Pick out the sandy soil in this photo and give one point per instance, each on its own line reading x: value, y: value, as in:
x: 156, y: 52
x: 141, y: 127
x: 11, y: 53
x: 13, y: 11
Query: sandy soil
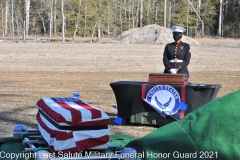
x: 30, y: 71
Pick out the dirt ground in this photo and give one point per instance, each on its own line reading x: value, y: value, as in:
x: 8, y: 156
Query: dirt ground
x: 30, y: 71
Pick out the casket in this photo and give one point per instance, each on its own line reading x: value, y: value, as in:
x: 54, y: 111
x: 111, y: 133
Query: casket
x: 72, y: 125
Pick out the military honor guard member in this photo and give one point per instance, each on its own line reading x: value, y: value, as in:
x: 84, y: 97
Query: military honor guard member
x: 177, y: 55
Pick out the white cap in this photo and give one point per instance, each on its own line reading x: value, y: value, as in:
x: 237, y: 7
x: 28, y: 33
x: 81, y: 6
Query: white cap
x: 177, y: 29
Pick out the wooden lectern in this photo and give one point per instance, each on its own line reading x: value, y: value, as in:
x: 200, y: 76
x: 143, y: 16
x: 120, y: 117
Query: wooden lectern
x: 167, y: 78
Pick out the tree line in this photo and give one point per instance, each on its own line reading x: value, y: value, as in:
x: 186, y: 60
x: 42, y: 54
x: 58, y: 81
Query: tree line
x: 109, y: 18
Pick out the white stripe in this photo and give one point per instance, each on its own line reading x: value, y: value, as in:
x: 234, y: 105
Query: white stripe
x: 51, y: 126
x: 86, y: 114
x: 66, y: 144
x: 58, y: 109
x: 71, y: 142
x: 60, y: 123
x: 81, y: 135
x: 104, y: 115
x: 65, y: 124
x: 58, y: 145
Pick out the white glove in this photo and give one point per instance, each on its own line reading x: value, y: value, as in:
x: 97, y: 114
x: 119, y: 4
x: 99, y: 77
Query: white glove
x: 173, y: 71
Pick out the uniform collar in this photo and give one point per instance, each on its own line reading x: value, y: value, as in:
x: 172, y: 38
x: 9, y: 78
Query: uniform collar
x: 177, y: 43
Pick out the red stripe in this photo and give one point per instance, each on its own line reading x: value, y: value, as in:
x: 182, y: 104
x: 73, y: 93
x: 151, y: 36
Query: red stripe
x: 183, y: 93
x: 53, y: 133
x: 95, y: 112
x: 143, y: 91
x: 75, y: 117
x: 82, y: 145
x: 102, y: 122
x: 92, y: 142
x: 51, y: 113
x: 61, y: 136
x: 76, y: 114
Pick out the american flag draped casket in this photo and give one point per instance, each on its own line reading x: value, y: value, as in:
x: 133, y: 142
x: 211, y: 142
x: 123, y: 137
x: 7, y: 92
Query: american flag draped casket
x: 71, y: 125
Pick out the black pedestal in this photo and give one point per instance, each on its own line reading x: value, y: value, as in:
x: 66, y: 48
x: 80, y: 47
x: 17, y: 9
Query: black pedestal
x: 130, y: 105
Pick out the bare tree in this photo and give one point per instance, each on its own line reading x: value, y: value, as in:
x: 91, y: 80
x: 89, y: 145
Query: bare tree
x: 3, y: 22
x: 165, y: 14
x: 12, y: 20
x: 120, y: 15
x: 148, y: 12
x: 125, y: 9
x: 26, y: 24
x: 51, y: 20
x: 63, y: 22
x: 93, y: 31
x: 169, y: 13
x: 77, y: 17
x: 137, y: 13
x: 85, y: 19
x: 6, y: 17
x: 55, y: 17
x: 199, y: 12
x: 133, y: 18
x: 202, y: 31
x: 141, y: 13
x: 43, y: 23
x: 220, y: 20
x: 108, y: 26
x: 20, y: 27
x: 99, y: 29
x: 156, y: 10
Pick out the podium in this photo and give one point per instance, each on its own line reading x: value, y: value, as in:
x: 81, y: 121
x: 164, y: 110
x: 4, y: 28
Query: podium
x: 132, y: 108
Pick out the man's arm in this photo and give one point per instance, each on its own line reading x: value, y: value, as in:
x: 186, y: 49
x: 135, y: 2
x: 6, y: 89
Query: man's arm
x: 186, y: 59
x: 165, y: 58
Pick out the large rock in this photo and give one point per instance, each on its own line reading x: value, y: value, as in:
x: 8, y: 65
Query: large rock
x: 150, y: 34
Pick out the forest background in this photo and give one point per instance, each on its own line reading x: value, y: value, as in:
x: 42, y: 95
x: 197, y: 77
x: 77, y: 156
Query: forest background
x: 24, y: 19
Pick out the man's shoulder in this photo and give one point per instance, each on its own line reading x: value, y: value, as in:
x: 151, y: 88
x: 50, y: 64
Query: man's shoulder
x: 173, y: 43
x: 184, y: 43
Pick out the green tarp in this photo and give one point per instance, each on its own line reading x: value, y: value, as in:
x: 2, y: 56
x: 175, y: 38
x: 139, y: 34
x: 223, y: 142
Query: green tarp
x: 12, y: 149
x: 210, y: 132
